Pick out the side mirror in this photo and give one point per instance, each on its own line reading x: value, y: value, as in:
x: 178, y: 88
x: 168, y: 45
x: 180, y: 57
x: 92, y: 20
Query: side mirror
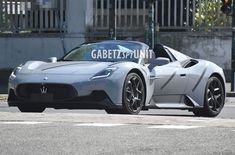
x: 52, y: 59
x: 160, y: 61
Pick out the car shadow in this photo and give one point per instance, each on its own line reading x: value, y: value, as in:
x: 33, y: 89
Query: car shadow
x: 171, y: 115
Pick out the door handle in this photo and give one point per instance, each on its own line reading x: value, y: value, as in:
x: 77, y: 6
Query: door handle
x: 182, y: 75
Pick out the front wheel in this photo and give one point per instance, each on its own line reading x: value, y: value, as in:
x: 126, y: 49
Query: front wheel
x: 213, y: 99
x: 30, y: 108
x: 133, y: 96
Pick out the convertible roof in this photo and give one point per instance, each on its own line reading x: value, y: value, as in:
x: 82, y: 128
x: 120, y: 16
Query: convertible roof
x: 178, y: 55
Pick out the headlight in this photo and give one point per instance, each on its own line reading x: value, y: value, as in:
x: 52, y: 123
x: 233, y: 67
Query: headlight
x: 104, y: 73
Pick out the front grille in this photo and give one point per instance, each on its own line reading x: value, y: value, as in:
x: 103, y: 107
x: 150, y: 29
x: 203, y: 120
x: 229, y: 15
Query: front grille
x: 59, y: 91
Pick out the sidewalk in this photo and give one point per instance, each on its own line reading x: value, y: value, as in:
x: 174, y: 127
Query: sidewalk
x: 228, y: 90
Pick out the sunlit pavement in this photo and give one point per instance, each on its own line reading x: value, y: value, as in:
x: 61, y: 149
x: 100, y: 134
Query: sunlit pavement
x: 95, y: 132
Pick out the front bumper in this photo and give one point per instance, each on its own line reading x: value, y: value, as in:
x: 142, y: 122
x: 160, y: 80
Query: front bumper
x: 96, y: 100
x: 91, y: 94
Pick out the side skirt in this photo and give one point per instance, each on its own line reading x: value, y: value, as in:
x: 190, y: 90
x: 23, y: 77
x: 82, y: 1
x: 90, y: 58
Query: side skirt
x: 187, y: 104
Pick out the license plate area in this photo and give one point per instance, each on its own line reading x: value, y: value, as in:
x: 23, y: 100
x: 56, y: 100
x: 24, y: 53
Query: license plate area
x: 41, y: 97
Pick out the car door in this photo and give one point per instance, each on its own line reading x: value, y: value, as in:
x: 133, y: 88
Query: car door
x: 169, y: 82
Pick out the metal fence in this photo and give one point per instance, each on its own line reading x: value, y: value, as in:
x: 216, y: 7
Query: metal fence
x: 190, y: 15
x: 19, y: 16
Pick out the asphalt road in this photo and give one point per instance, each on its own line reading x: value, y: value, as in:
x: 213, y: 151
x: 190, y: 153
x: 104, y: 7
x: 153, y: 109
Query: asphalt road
x: 95, y: 132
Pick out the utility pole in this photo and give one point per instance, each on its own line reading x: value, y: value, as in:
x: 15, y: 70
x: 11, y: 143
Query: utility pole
x: 112, y: 20
x: 151, y: 22
x: 233, y: 47
x: 229, y: 9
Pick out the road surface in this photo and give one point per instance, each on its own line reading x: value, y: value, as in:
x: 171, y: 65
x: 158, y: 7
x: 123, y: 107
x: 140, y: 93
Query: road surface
x: 95, y: 132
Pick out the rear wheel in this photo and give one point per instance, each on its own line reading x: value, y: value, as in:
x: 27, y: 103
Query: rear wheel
x: 213, y: 100
x: 30, y: 108
x: 133, y: 96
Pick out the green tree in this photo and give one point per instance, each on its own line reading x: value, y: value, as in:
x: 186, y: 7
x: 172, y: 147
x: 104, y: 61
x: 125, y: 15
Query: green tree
x: 209, y: 15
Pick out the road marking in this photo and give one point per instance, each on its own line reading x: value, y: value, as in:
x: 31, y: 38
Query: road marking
x: 173, y: 127
x: 23, y: 122
x: 198, y: 120
x: 99, y: 124
x: 229, y: 106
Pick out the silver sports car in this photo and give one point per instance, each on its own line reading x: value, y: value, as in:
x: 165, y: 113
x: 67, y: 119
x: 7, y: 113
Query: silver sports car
x: 120, y: 77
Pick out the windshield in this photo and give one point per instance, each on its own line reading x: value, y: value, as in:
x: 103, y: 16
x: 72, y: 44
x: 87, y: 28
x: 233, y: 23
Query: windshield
x: 105, y: 52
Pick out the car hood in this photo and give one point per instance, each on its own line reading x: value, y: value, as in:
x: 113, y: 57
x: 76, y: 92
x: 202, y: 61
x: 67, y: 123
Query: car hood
x: 86, y: 67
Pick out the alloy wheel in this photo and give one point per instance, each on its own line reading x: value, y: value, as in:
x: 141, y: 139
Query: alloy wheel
x: 215, y: 95
x: 134, y: 93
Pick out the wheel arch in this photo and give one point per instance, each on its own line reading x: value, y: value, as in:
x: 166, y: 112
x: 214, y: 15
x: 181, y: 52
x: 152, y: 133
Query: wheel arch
x: 206, y: 110
x: 137, y: 71
x: 221, y: 80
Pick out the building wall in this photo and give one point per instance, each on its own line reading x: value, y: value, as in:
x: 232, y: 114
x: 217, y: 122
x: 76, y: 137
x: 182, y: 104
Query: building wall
x: 15, y: 51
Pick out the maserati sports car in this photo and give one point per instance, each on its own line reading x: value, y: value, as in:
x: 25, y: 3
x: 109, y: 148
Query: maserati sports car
x: 110, y: 75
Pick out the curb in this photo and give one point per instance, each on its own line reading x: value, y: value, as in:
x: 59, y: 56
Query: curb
x: 230, y: 94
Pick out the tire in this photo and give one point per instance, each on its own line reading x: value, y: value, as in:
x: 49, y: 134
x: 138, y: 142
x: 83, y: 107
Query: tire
x: 133, y: 96
x: 33, y: 109
x: 213, y: 99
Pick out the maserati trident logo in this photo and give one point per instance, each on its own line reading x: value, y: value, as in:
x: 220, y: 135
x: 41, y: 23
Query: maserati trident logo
x: 43, y: 90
